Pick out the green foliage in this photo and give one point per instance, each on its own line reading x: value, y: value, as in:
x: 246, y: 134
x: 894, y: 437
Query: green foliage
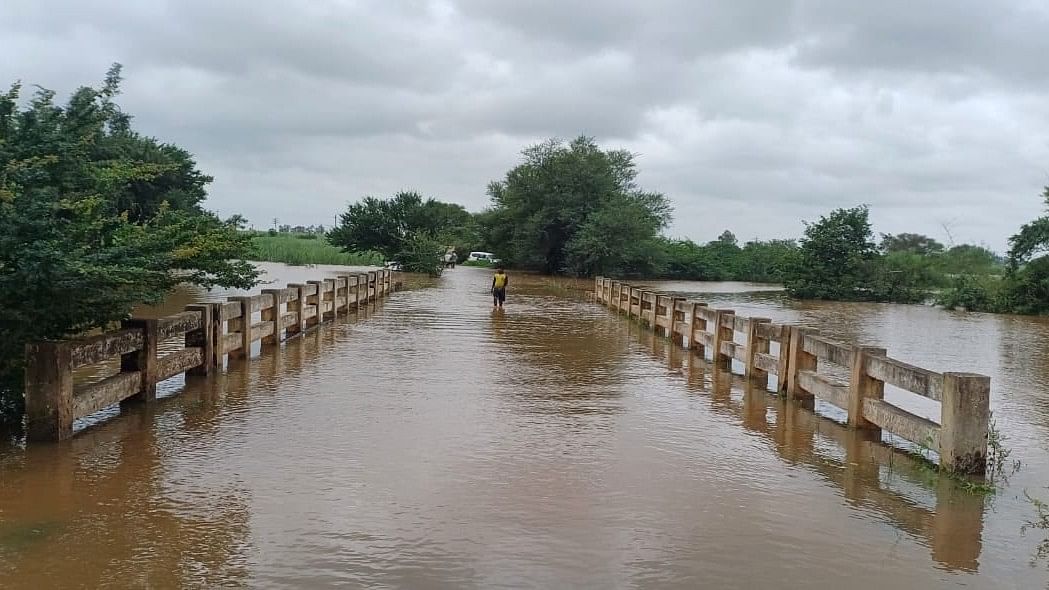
x: 399, y: 227
x: 723, y: 260
x: 1033, y: 238
x: 1024, y: 287
x: 1040, y: 522
x: 912, y: 243
x: 766, y: 262
x: 380, y: 225
x: 95, y: 218
x: 833, y: 257
x: 574, y: 208
x: 422, y: 253
x: 969, y: 259
x: 618, y: 239
x: 972, y: 293
x: 302, y: 249
x: 903, y: 276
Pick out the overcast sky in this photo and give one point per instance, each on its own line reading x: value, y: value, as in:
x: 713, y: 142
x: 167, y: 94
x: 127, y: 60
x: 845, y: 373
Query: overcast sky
x: 751, y: 115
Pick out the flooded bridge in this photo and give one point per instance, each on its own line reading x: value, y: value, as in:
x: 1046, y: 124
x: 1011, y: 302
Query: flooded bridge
x: 429, y: 441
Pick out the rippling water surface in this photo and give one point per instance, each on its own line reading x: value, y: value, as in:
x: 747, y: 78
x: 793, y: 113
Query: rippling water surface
x: 436, y: 443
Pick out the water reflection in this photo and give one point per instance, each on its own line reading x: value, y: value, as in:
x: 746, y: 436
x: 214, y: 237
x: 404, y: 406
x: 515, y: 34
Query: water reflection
x: 861, y: 465
x: 441, y: 444
x: 103, y: 499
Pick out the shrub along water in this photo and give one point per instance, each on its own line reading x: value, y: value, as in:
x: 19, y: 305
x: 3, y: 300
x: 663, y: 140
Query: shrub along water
x: 94, y: 219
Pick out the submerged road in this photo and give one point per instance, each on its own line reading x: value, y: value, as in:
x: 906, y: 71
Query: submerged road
x: 441, y: 444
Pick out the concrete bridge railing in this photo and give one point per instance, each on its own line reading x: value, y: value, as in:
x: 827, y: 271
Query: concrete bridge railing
x: 209, y: 332
x: 960, y: 437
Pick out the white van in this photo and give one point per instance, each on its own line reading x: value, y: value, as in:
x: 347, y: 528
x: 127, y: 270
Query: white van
x: 482, y: 257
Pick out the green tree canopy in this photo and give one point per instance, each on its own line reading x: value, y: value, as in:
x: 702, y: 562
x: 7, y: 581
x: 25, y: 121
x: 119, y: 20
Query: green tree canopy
x: 575, y: 208
x: 95, y: 218
x: 833, y: 256
x: 1032, y: 239
x: 403, y: 226
x: 906, y: 242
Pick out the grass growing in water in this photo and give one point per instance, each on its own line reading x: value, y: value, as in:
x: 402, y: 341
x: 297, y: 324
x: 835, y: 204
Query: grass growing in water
x: 303, y: 249
x: 999, y: 468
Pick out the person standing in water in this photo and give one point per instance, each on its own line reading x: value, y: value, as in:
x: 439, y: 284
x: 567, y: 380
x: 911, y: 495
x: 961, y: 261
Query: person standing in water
x: 499, y: 282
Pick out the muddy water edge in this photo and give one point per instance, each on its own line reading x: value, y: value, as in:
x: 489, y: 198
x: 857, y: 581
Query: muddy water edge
x: 436, y: 443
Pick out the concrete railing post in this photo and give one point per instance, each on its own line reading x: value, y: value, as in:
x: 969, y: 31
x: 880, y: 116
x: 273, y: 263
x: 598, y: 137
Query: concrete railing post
x: 49, y: 391
x: 242, y: 326
x: 965, y: 412
x: 756, y: 343
x: 695, y: 322
x: 723, y: 333
x: 143, y: 360
x: 330, y: 288
x: 342, y: 291
x: 784, y: 360
x: 315, y: 300
x: 362, y: 290
x: 675, y: 318
x: 273, y: 315
x: 862, y: 386
x: 218, y: 335
x: 659, y: 310
x: 202, y: 338
x: 295, y: 306
x: 798, y: 361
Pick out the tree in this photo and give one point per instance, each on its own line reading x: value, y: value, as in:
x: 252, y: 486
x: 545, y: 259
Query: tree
x: 766, y: 262
x: 566, y: 205
x: 618, y: 239
x: 833, y: 257
x: 905, y: 242
x: 95, y: 219
x: 422, y: 253
x: 399, y: 226
x: 969, y: 259
x: 1032, y: 239
x: 728, y: 238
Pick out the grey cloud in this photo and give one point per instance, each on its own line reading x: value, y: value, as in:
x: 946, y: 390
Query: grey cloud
x: 750, y: 115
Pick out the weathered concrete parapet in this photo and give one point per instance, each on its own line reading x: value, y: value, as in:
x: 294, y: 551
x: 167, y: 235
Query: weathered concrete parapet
x: 965, y: 411
x: 960, y: 437
x: 210, y: 332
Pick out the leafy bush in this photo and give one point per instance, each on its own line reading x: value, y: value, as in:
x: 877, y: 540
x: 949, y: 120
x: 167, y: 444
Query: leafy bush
x: 422, y: 253
x: 972, y: 293
x: 834, y: 257
x: 94, y: 219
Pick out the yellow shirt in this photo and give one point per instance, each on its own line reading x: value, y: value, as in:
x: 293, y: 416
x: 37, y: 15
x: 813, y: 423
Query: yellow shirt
x: 500, y: 280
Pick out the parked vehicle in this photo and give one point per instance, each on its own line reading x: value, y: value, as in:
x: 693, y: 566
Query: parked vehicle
x: 392, y: 265
x: 482, y: 257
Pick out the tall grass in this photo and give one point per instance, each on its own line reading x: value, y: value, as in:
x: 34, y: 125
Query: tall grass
x: 302, y: 249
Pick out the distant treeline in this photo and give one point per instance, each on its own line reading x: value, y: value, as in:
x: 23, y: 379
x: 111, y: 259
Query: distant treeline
x: 573, y: 208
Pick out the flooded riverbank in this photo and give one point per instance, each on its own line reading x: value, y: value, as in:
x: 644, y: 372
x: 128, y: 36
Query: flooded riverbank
x: 443, y: 444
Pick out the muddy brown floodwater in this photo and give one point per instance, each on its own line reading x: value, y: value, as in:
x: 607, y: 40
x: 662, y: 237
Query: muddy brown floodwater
x: 439, y: 444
